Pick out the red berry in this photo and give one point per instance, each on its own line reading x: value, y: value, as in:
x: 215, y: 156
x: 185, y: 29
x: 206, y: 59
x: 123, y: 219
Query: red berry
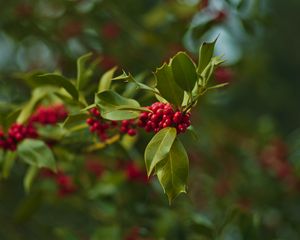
x: 141, y: 123
x: 167, y: 123
x: 143, y: 116
x: 160, y: 112
x: 131, y: 132
x: 123, y: 129
x: 90, y: 121
x: 177, y: 117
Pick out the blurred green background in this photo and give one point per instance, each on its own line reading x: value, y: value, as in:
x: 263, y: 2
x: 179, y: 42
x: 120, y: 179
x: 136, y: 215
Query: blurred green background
x: 245, y: 169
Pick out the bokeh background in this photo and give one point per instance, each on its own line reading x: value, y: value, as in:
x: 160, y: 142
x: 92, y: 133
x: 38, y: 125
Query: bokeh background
x: 245, y: 167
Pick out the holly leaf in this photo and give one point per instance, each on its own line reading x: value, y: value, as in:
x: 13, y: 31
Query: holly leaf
x: 37, y: 95
x: 173, y: 174
x: 184, y: 71
x: 31, y: 173
x: 82, y: 72
x: 56, y: 80
x: 158, y: 147
x: 167, y: 86
x: 105, y: 81
x: 116, y: 107
x: 210, y: 68
x: 8, y: 162
x: 202, y: 225
x: 74, y: 120
x: 129, y: 78
x: 36, y: 153
x: 206, y: 52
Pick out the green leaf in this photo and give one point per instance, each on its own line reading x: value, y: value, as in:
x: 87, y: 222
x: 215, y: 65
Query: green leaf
x: 105, y: 81
x: 158, y: 147
x: 12, y: 117
x: 53, y: 132
x: 229, y: 217
x: 123, y: 77
x: 111, y: 104
x: 57, y: 81
x: 9, y: 160
x: 191, y: 131
x: 217, y: 86
x: 27, y: 207
x: 142, y: 85
x: 74, y: 120
x: 206, y: 52
x: 138, y: 109
x: 208, y: 71
x: 37, y: 95
x: 184, y: 71
x: 111, y: 232
x: 36, y: 153
x: 81, y: 71
x: 174, y: 173
x: 31, y: 173
x: 129, y: 78
x: 167, y: 86
x: 202, y: 225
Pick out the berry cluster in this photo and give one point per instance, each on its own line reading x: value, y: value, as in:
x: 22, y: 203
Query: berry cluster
x: 49, y: 114
x: 128, y: 126
x: 99, y: 125
x: 103, y: 128
x: 134, y: 173
x: 110, y: 30
x: 163, y: 116
x: 274, y: 157
x: 223, y: 75
x: 16, y: 133
x: 65, y: 183
x: 94, y: 167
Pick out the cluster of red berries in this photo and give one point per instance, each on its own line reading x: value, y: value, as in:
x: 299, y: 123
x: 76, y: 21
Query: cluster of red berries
x: 49, y: 114
x: 99, y: 125
x: 94, y: 167
x: 65, y: 183
x: 223, y: 75
x: 16, y: 133
x: 163, y: 116
x: 110, y: 30
x: 128, y: 127
x: 103, y: 127
x: 134, y: 173
x: 274, y: 157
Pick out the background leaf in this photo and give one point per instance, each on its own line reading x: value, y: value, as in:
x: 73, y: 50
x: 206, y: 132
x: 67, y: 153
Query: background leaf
x: 8, y: 162
x: 82, y: 76
x: 31, y: 173
x: 74, y: 120
x: 37, y: 95
x: 36, y: 153
x: 57, y: 81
